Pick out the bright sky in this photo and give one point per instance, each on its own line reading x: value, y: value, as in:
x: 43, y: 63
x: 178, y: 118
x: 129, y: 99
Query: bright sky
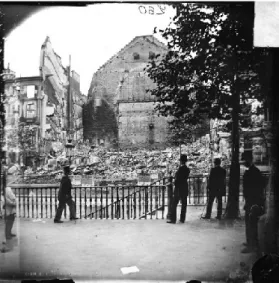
x: 91, y: 35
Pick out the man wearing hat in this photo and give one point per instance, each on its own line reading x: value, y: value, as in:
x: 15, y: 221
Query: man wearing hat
x: 216, y: 187
x: 65, y: 197
x: 180, y: 190
x: 253, y: 191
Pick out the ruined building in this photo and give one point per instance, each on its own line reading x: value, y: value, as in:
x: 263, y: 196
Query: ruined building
x: 119, y: 110
x: 40, y: 104
x: 26, y: 104
x: 63, y: 89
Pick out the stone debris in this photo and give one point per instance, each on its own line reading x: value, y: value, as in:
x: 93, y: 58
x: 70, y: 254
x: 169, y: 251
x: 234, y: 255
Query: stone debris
x: 130, y: 164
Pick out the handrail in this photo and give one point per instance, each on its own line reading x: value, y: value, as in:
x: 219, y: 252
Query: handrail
x: 151, y: 212
x: 122, y: 199
x: 105, y: 207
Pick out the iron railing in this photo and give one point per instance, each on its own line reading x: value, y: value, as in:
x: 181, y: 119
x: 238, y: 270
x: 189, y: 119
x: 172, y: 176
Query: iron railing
x: 110, y: 202
x: 125, y: 202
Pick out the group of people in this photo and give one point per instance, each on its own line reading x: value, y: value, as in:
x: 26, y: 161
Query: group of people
x: 216, y: 189
x: 253, y: 192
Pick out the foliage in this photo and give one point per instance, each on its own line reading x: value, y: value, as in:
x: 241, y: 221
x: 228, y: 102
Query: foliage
x: 179, y: 133
x: 211, y: 71
x: 22, y: 136
x: 209, y: 55
x: 250, y: 117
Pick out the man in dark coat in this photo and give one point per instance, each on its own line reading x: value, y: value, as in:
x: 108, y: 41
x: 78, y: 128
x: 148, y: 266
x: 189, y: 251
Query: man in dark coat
x: 180, y: 191
x: 65, y: 197
x: 253, y: 192
x: 216, y: 188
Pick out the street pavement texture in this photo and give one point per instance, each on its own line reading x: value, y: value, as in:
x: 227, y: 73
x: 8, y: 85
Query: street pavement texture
x: 206, y: 250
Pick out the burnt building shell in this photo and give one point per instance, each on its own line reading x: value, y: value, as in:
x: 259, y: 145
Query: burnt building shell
x: 121, y: 85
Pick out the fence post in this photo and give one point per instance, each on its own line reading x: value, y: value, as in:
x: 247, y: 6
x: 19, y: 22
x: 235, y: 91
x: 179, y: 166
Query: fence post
x: 170, y: 195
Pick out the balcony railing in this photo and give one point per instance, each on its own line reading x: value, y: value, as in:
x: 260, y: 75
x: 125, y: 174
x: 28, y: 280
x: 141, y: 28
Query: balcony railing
x: 109, y: 202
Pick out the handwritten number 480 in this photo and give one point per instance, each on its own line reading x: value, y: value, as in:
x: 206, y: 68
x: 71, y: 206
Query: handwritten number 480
x: 158, y: 10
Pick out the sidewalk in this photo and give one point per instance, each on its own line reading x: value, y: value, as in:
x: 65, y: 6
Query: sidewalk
x: 206, y: 250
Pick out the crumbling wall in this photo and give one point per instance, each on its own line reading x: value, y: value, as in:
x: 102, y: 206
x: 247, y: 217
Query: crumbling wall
x: 100, y: 123
x: 107, y: 79
x: 56, y: 83
x: 121, y: 80
x: 77, y: 102
x: 140, y: 126
x: 56, y: 86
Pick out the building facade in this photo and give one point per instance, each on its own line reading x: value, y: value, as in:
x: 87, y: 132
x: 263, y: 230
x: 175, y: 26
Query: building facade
x: 46, y: 108
x: 119, y: 89
x: 27, y: 109
x: 63, y: 88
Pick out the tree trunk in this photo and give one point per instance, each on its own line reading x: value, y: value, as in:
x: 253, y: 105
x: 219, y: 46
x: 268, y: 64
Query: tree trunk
x: 232, y: 209
x: 270, y: 233
x: 274, y: 147
x: 211, y: 142
x: 268, y: 223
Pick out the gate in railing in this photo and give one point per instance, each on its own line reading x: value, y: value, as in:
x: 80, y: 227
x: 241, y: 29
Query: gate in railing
x: 110, y: 202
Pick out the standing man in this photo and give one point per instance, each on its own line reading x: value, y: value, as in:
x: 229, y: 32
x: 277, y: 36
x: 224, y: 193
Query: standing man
x: 216, y: 188
x: 253, y: 191
x: 65, y: 197
x: 180, y: 191
x: 10, y: 212
x: 9, y: 200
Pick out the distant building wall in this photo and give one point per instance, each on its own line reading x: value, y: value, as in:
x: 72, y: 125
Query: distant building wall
x: 100, y: 123
x: 77, y: 102
x: 56, y: 85
x: 140, y: 127
x: 120, y: 81
x: 27, y: 104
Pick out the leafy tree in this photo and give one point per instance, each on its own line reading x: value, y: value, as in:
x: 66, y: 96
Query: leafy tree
x: 179, y: 133
x: 211, y: 69
x: 23, y: 137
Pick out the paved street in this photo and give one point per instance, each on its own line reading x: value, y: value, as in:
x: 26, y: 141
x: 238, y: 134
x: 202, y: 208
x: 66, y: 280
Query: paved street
x: 97, y: 249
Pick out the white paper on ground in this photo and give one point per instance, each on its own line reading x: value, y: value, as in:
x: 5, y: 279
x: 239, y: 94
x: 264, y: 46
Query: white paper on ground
x: 131, y: 269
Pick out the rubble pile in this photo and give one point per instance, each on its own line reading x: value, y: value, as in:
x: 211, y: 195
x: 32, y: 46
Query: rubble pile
x: 129, y: 164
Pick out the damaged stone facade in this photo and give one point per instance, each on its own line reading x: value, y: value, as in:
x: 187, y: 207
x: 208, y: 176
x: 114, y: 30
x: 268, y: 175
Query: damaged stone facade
x: 78, y: 101
x: 62, y: 86
x: 140, y: 126
x: 27, y: 104
x: 56, y: 83
x: 100, y: 123
x: 41, y: 102
x: 120, y: 86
